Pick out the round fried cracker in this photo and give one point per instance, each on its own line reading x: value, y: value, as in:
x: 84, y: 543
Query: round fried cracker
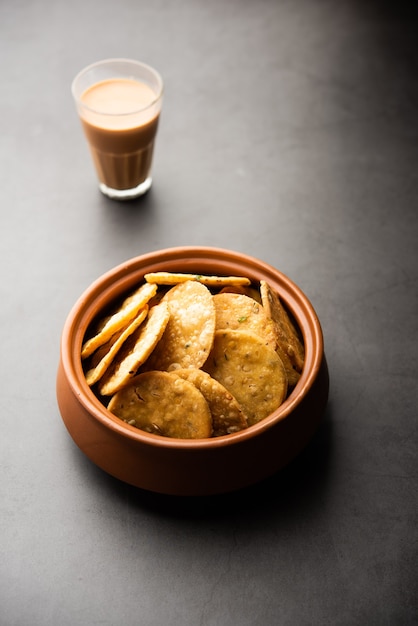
x: 286, y: 334
x: 188, y: 337
x: 236, y: 311
x: 227, y: 415
x: 119, y: 319
x: 173, y: 278
x: 251, y: 292
x: 104, y: 356
x: 250, y: 370
x: 135, y: 351
x: 163, y: 404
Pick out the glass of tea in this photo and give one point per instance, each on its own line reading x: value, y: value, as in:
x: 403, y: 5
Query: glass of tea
x: 119, y: 104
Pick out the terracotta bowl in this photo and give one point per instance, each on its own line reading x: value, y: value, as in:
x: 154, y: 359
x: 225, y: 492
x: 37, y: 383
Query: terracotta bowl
x: 180, y: 466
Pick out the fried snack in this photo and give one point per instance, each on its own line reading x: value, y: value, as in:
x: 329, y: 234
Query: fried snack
x: 292, y: 375
x: 227, y: 415
x: 136, y: 351
x: 287, y: 335
x: 103, y: 357
x: 251, y: 292
x: 239, y: 312
x: 170, y: 278
x: 163, y: 404
x: 192, y: 356
x: 93, y: 361
x: 188, y: 337
x: 251, y: 370
x: 119, y: 319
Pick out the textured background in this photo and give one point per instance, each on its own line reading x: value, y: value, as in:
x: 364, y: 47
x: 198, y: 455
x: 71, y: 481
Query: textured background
x: 289, y: 132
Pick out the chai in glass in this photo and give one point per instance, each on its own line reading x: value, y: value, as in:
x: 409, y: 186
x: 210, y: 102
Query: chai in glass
x: 119, y: 114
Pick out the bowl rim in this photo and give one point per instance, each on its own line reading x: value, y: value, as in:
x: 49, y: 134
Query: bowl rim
x: 120, y: 278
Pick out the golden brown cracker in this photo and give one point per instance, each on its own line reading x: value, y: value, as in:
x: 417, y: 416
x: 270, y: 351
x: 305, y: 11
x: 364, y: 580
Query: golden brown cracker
x: 119, y: 319
x: 287, y: 335
x: 251, y: 370
x: 136, y: 351
x: 173, y: 278
x: 188, y: 337
x: 163, y: 404
x: 99, y: 367
x: 240, y: 312
x: 227, y: 415
x: 249, y: 291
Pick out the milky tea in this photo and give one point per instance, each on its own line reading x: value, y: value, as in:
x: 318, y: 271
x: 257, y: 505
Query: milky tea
x: 119, y: 104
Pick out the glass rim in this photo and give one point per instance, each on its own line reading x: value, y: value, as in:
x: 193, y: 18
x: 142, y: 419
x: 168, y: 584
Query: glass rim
x: 104, y: 62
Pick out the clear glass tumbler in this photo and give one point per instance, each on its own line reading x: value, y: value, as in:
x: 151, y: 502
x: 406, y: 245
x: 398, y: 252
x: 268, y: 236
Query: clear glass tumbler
x: 119, y: 103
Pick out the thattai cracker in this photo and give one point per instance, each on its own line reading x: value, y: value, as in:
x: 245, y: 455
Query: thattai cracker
x: 172, y: 278
x: 227, y: 415
x: 240, y: 312
x: 99, y: 367
x: 251, y: 370
x: 244, y: 290
x: 163, y: 404
x: 119, y: 319
x: 287, y: 335
x: 136, y: 350
x: 188, y: 337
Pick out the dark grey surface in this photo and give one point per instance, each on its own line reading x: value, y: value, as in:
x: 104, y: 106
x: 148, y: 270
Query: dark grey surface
x: 290, y: 133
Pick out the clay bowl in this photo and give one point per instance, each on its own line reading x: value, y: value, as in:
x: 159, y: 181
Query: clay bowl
x: 180, y: 466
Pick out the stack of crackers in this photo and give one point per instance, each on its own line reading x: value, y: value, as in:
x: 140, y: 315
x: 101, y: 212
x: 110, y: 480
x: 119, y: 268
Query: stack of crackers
x: 194, y: 356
